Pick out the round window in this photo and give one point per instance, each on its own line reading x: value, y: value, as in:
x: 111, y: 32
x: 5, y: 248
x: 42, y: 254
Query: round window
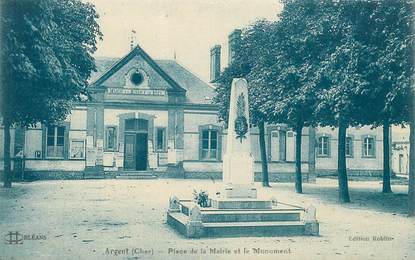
x: 137, y: 78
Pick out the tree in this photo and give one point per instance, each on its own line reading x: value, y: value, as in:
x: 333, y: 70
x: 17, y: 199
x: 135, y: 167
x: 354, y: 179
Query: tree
x: 45, y: 61
x: 289, y: 72
x: 339, y: 78
x: 252, y: 47
x: 386, y: 30
x: 366, y: 77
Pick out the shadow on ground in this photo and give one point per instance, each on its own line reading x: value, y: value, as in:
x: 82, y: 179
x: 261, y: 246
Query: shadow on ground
x: 363, y: 198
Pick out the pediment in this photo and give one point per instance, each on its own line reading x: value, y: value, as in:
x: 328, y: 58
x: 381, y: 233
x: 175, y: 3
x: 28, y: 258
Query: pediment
x: 137, y: 73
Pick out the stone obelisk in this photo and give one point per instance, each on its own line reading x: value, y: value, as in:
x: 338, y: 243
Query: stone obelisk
x: 238, y: 163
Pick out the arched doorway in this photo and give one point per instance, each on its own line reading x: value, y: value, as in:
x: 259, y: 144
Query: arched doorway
x: 136, y: 144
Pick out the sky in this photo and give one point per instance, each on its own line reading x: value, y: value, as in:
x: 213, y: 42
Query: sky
x: 188, y: 28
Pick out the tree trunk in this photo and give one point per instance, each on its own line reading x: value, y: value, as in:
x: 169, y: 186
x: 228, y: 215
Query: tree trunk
x: 264, y: 161
x: 411, y: 184
x: 7, y: 162
x: 298, y: 176
x: 386, y: 159
x: 341, y: 165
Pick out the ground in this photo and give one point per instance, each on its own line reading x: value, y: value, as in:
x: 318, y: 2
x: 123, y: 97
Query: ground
x: 101, y: 219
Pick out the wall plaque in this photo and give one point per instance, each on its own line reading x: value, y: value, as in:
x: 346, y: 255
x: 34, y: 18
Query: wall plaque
x: 136, y: 92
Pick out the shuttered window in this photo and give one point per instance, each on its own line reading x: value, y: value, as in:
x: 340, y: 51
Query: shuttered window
x: 324, y: 146
x: 349, y: 146
x: 111, y: 138
x: 368, y: 147
x: 160, y: 139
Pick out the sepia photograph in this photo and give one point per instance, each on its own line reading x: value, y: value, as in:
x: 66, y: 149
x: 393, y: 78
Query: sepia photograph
x: 207, y: 129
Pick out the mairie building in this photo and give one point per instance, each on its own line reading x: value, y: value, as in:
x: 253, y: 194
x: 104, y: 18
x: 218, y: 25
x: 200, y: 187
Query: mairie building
x: 151, y: 118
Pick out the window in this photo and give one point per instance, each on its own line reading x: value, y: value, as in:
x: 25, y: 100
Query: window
x: 137, y: 78
x: 161, y: 139
x: 368, y: 147
x: 209, y: 144
x: 111, y: 138
x: 323, y: 146
x: 349, y: 146
x: 55, y: 141
x: 77, y: 149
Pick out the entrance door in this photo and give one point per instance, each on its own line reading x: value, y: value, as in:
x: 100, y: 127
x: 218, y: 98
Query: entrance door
x: 141, y: 151
x: 129, y: 153
x: 136, y: 142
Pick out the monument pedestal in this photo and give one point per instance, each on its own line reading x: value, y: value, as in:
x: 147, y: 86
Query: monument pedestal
x: 238, y: 177
x: 239, y: 191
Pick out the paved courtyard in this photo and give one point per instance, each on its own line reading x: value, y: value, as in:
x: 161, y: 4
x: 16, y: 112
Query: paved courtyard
x: 126, y: 219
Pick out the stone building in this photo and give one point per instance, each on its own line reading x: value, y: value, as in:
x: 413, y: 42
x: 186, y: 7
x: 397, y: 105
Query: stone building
x: 156, y: 118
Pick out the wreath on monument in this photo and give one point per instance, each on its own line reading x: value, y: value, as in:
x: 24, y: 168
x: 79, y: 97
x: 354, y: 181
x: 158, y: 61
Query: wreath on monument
x: 241, y: 124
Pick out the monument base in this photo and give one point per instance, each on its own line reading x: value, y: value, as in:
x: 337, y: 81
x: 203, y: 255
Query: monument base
x: 240, y: 203
x: 239, y: 191
x: 239, y: 217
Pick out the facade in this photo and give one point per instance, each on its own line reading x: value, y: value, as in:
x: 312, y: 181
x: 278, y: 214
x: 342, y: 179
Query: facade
x: 155, y: 117
x: 364, y: 151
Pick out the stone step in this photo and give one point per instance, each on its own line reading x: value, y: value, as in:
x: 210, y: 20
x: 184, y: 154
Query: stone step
x: 178, y: 221
x: 94, y: 177
x: 241, y: 204
x: 249, y: 216
x: 136, y: 177
x: 237, y: 229
x: 133, y: 173
x: 186, y: 205
x: 254, y: 229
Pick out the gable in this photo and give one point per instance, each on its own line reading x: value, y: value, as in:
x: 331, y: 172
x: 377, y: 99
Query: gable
x: 119, y: 75
x: 162, y: 78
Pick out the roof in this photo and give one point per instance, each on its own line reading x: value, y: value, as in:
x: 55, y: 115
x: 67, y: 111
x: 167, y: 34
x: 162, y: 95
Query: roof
x: 197, y: 91
x: 102, y: 64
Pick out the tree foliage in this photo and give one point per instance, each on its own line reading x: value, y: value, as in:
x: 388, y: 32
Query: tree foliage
x: 331, y: 63
x: 46, y: 59
x: 252, y: 47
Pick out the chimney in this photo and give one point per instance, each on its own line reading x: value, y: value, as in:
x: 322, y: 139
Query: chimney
x: 214, y: 63
x: 233, y: 41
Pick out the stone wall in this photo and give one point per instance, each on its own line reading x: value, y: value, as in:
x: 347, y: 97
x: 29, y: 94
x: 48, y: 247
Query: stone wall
x: 273, y: 176
x: 354, y: 172
x: 53, y: 175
